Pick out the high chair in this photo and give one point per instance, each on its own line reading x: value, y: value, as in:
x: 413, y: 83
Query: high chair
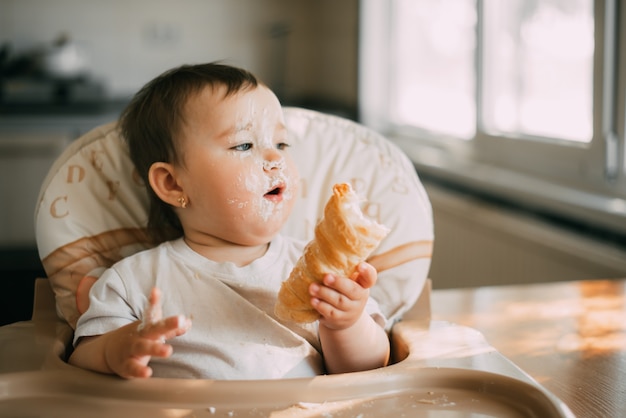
x: 92, y: 212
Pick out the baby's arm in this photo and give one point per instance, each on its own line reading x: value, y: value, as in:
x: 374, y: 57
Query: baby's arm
x: 351, y: 339
x: 127, y: 350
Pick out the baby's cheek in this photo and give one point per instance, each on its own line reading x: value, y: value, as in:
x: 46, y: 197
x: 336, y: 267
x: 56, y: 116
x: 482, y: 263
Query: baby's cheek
x: 253, y: 182
x: 293, y: 178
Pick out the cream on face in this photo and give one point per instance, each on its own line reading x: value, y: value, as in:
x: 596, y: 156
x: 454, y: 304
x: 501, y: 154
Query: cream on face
x: 267, y: 179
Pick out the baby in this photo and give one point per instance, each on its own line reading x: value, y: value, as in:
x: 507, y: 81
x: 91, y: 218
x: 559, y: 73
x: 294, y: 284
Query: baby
x: 211, y: 143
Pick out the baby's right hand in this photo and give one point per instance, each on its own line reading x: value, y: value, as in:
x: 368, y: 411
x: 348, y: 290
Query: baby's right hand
x: 130, y: 348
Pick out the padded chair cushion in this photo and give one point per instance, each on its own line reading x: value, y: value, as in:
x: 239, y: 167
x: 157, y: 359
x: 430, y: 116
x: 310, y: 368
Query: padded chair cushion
x: 93, y: 208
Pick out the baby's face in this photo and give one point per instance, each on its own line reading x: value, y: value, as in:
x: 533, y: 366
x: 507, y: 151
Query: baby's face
x: 237, y: 172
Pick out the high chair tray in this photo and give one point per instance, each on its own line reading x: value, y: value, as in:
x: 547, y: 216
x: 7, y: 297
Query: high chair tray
x: 442, y: 370
x: 432, y: 392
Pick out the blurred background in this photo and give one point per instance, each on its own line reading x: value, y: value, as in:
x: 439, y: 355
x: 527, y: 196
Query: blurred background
x: 512, y: 112
x: 307, y: 50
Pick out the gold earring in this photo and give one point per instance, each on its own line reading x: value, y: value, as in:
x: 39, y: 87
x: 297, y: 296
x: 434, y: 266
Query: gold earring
x: 182, y: 201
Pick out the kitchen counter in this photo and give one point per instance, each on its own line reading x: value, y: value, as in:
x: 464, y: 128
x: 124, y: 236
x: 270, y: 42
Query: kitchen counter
x: 570, y: 337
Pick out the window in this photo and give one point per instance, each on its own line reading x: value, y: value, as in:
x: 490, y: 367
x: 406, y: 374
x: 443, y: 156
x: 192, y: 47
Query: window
x: 537, y: 68
x: 523, y: 99
x: 433, y: 45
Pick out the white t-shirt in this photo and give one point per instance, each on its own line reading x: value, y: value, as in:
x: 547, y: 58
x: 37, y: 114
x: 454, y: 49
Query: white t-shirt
x: 234, y: 333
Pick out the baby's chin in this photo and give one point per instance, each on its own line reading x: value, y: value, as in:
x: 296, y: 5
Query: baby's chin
x: 265, y: 228
x: 257, y: 238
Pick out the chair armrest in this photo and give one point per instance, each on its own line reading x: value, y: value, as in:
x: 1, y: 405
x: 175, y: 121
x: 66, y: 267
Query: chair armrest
x: 44, y: 304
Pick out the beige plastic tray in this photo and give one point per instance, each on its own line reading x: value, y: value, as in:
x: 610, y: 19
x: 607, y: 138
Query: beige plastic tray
x: 428, y: 392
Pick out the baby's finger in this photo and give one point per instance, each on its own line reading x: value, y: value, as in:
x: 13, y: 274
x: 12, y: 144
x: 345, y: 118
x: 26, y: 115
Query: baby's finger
x: 331, y: 297
x: 345, y: 287
x: 367, y: 275
x: 326, y: 310
x: 153, y: 311
x: 151, y: 348
x: 135, y: 370
x: 170, y: 327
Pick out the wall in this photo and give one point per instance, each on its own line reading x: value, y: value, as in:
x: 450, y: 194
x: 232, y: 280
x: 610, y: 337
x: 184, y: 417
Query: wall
x: 305, y: 49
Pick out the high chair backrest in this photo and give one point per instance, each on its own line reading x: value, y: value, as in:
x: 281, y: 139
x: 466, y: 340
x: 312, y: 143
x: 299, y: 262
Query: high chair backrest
x: 93, y: 209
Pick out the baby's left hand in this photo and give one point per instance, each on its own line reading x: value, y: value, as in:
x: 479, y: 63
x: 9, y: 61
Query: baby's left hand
x: 341, y: 300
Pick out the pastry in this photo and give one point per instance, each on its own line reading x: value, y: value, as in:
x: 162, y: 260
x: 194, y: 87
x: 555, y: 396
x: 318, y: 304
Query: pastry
x: 343, y: 238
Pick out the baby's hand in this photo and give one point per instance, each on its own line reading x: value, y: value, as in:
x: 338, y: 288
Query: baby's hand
x: 341, y: 300
x: 130, y: 348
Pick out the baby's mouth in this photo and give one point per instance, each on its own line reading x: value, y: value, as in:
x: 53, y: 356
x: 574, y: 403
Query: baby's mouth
x: 275, y: 194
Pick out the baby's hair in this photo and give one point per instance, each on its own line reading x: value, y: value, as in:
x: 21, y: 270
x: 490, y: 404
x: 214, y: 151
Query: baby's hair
x: 153, y: 119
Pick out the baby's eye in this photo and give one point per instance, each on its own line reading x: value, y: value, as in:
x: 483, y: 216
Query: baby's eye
x: 282, y: 145
x: 243, y: 147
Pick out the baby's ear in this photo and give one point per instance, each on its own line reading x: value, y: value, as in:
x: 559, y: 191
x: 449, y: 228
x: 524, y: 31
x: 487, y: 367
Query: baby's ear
x: 163, y: 181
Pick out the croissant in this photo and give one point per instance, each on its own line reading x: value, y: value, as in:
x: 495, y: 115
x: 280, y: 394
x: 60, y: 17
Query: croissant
x: 343, y: 238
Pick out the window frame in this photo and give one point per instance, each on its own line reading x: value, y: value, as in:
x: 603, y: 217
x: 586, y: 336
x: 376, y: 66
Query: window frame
x: 582, y: 181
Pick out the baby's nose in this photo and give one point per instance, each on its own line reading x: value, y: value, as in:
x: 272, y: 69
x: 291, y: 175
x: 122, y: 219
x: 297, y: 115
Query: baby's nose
x: 273, y: 161
x: 269, y: 165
